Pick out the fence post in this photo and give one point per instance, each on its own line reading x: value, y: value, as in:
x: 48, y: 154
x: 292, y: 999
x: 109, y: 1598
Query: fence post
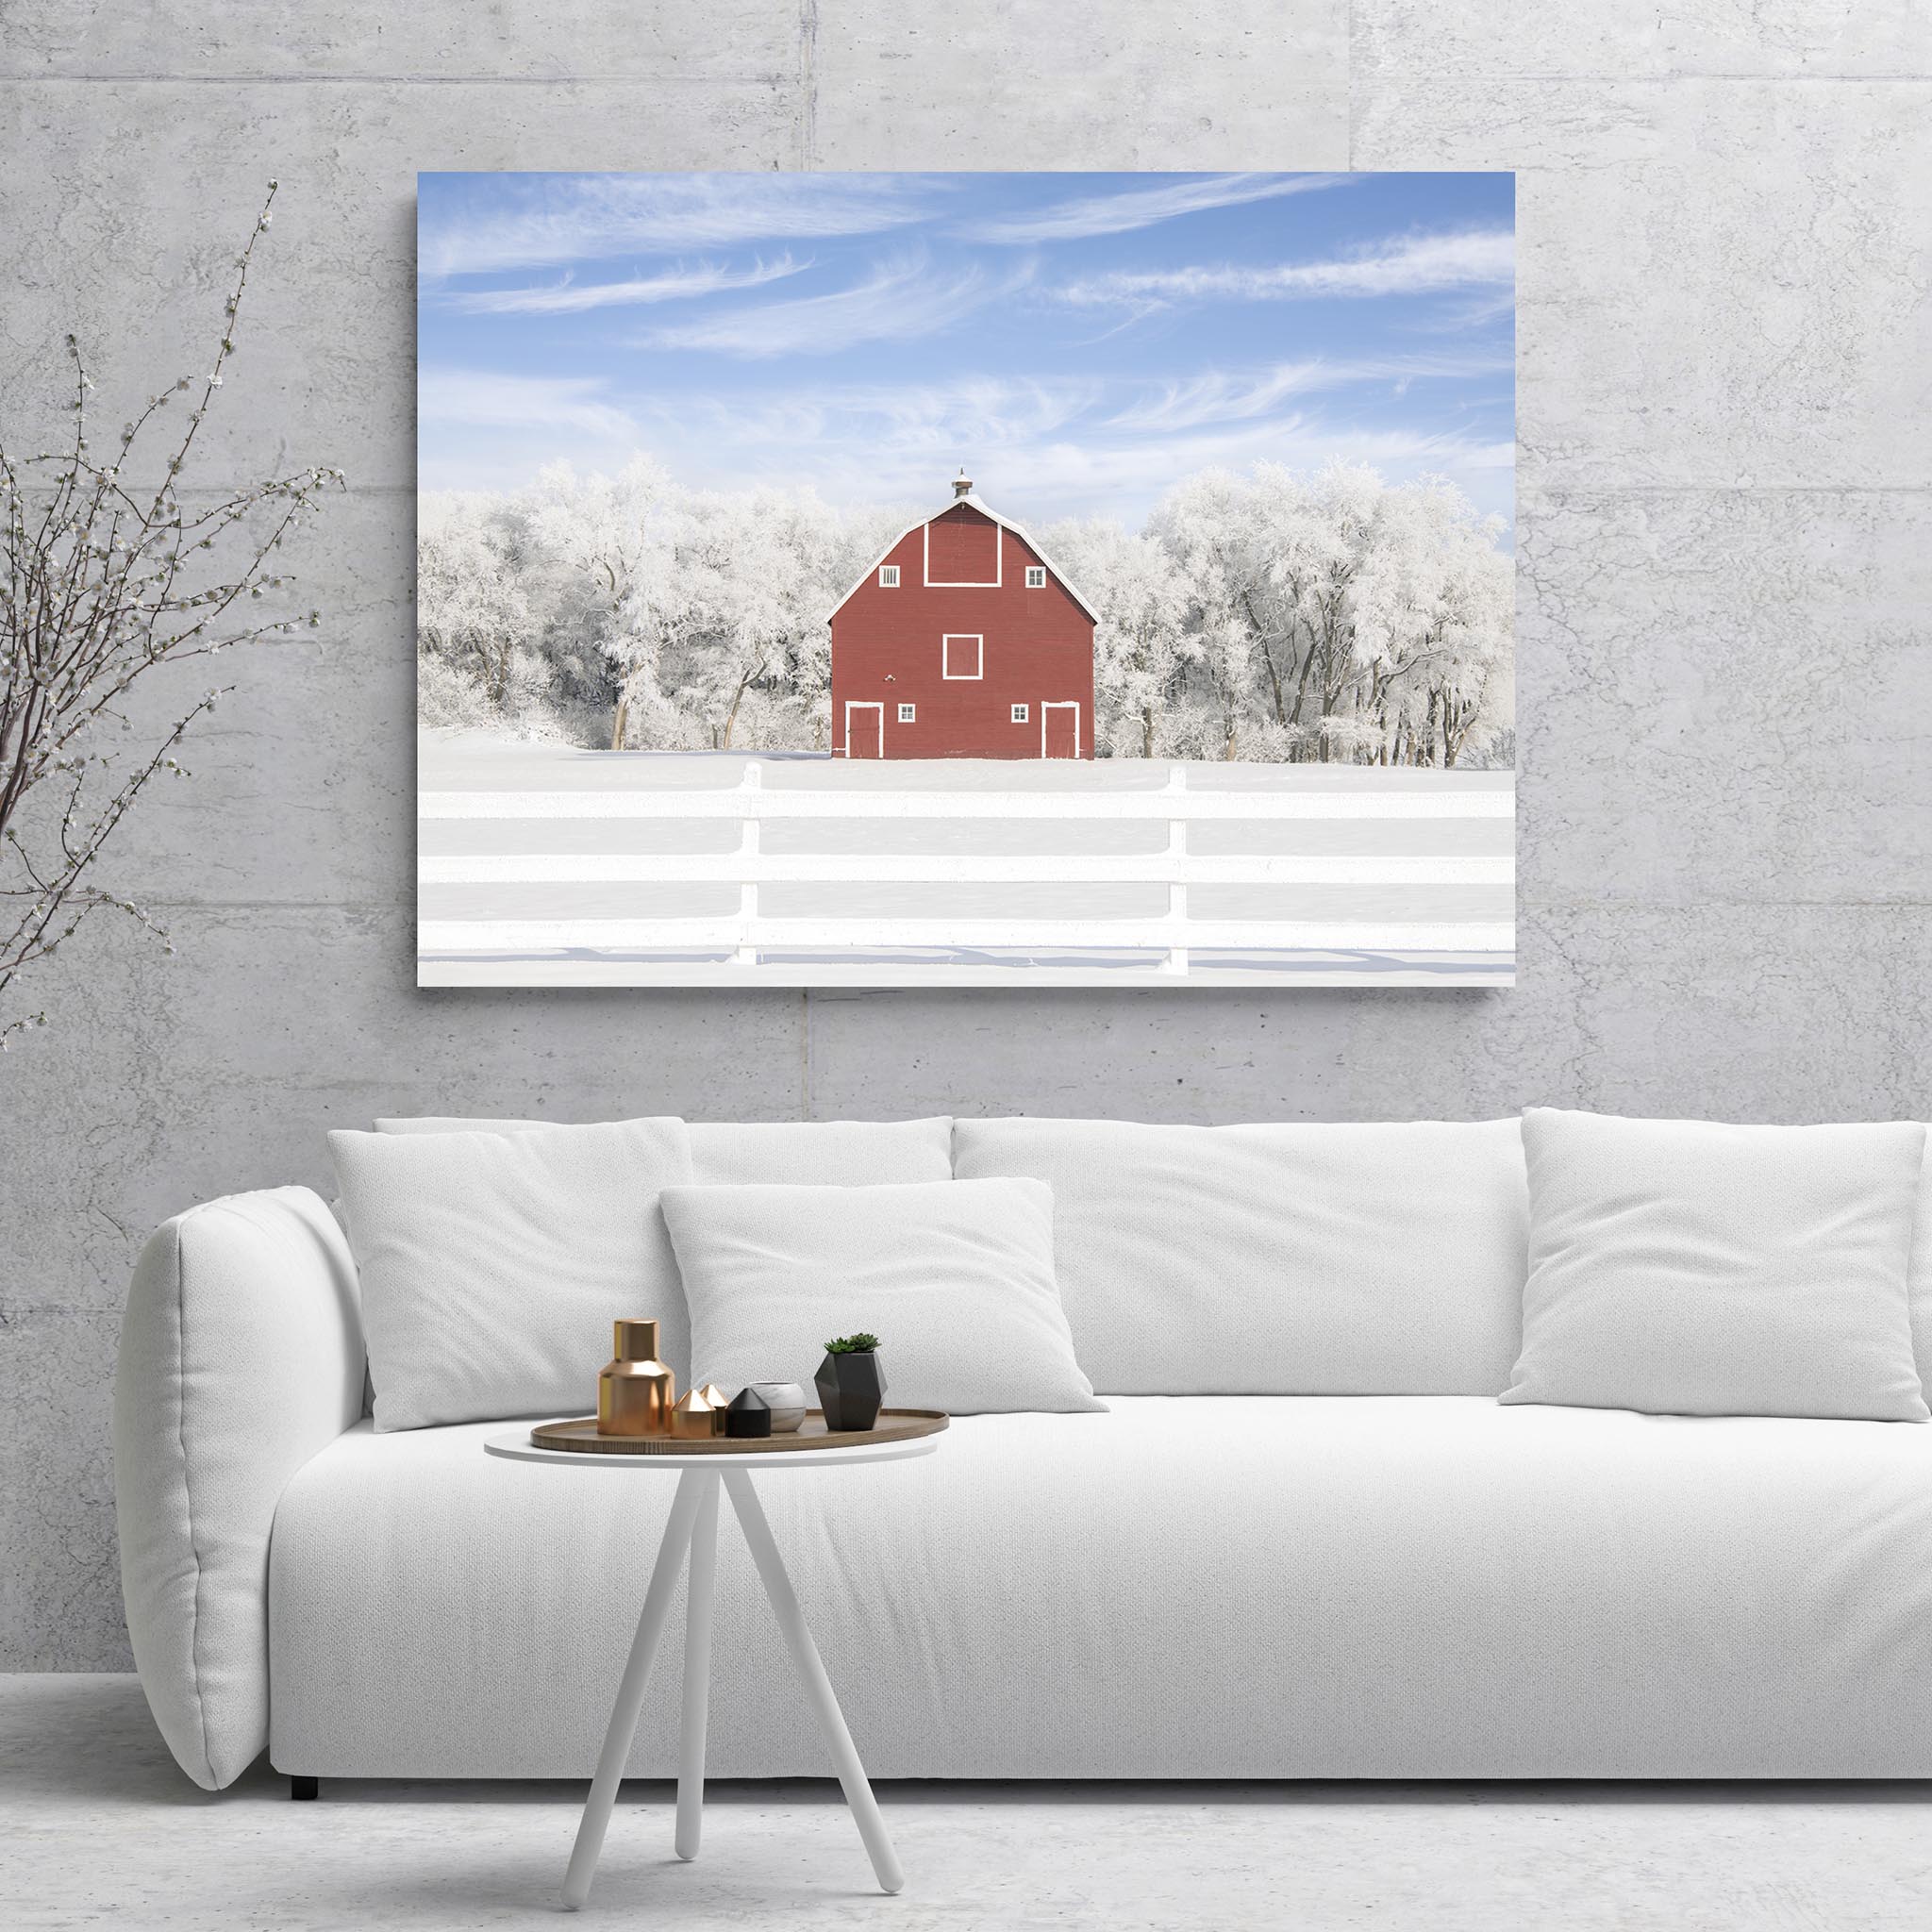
x: 747, y: 953
x: 1176, y: 960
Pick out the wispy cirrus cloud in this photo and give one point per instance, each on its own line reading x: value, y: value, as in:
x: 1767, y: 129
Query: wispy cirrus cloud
x: 1080, y: 446
x: 540, y: 220
x: 569, y: 297
x: 900, y: 300
x: 472, y: 396
x: 987, y: 412
x: 1140, y: 207
x: 1237, y: 396
x: 1038, y: 478
x: 1121, y: 476
x: 1477, y: 311
x: 1417, y: 265
x: 950, y: 418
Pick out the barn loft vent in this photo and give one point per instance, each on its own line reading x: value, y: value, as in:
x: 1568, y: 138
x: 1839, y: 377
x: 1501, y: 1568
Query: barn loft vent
x: 962, y: 483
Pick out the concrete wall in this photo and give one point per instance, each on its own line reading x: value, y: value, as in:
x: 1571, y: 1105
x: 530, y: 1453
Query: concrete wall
x: 1726, y: 565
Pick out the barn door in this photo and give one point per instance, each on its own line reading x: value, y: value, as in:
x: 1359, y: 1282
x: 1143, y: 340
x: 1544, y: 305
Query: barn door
x: 1059, y: 731
x: 865, y: 731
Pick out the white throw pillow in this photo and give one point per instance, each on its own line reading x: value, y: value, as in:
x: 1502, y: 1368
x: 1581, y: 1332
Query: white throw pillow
x: 1687, y: 1268
x: 955, y: 1277
x: 844, y: 1154
x: 1293, y: 1259
x: 492, y: 1265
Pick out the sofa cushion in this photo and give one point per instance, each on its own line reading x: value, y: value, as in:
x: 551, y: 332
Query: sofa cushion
x: 1289, y: 1260
x: 843, y: 1154
x: 1919, y: 1272
x: 492, y: 1265
x: 836, y: 1154
x: 955, y: 1276
x: 1329, y: 1587
x: 1693, y: 1267
x: 240, y: 1356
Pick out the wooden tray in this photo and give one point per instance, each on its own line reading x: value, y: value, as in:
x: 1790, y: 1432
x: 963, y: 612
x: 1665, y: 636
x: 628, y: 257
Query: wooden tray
x: 893, y: 1426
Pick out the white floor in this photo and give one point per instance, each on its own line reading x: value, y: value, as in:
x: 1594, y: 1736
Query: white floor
x: 98, y: 1828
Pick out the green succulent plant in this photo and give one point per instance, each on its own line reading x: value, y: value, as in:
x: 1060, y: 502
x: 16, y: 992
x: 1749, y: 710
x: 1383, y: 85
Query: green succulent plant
x: 862, y: 1343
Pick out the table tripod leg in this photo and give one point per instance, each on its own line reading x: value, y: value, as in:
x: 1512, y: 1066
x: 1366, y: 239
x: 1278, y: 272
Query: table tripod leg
x: 630, y: 1690
x: 697, y: 1669
x: 811, y: 1674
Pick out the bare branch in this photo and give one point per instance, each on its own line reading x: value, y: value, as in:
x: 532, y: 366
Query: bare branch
x: 100, y: 587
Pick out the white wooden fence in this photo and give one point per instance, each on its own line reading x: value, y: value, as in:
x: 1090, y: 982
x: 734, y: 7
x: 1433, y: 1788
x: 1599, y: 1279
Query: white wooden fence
x: 742, y: 941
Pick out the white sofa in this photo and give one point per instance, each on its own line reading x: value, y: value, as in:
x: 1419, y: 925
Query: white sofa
x: 1413, y: 1583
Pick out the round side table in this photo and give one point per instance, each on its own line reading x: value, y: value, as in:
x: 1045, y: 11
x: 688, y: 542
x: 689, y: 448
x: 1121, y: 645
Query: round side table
x: 693, y: 1530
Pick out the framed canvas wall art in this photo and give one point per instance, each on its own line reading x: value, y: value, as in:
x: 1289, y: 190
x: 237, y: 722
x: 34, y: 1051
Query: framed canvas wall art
x: 989, y: 579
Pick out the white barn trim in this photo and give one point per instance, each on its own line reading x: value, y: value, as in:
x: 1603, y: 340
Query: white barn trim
x: 1004, y: 523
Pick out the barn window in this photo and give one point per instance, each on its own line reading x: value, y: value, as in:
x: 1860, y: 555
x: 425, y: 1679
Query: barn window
x: 889, y: 576
x: 962, y: 656
x: 1036, y: 576
x: 906, y: 714
x: 1019, y: 714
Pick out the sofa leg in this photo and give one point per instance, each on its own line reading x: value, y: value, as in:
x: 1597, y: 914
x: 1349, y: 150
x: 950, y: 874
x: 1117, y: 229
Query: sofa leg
x: 305, y: 1788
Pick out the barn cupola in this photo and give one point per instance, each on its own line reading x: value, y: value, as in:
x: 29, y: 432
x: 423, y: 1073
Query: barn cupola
x: 962, y: 484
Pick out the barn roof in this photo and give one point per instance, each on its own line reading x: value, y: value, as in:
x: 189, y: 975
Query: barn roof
x: 986, y: 510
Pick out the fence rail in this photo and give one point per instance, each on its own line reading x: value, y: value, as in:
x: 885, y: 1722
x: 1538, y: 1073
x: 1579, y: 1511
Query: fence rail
x: 748, y: 935
x: 1173, y: 803
x: 1172, y: 867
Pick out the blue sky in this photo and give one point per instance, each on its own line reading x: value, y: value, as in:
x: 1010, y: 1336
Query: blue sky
x: 1078, y: 341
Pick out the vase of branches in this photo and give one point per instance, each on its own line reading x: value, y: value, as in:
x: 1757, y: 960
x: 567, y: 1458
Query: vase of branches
x: 113, y: 568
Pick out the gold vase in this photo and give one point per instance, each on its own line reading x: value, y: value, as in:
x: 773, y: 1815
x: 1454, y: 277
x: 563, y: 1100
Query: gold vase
x: 699, y: 1412
x: 636, y: 1394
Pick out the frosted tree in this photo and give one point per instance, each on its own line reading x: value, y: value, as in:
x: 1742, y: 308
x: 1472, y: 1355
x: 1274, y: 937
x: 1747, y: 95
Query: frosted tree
x: 1227, y: 657
x: 1432, y: 630
x: 476, y: 590
x: 1239, y: 544
x: 760, y: 570
x: 1338, y: 519
x: 616, y: 540
x: 1341, y: 619
x: 729, y: 565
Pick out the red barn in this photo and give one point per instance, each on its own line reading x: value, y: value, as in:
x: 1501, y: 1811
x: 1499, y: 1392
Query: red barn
x: 963, y: 641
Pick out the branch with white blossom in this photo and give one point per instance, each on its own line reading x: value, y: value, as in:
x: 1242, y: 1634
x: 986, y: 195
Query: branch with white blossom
x: 104, y: 581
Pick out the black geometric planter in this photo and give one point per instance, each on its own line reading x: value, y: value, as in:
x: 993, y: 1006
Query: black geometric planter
x: 851, y: 1387
x: 749, y: 1414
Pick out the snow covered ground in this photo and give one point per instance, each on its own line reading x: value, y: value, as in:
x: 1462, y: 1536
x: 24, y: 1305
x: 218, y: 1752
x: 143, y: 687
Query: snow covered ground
x: 549, y: 865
